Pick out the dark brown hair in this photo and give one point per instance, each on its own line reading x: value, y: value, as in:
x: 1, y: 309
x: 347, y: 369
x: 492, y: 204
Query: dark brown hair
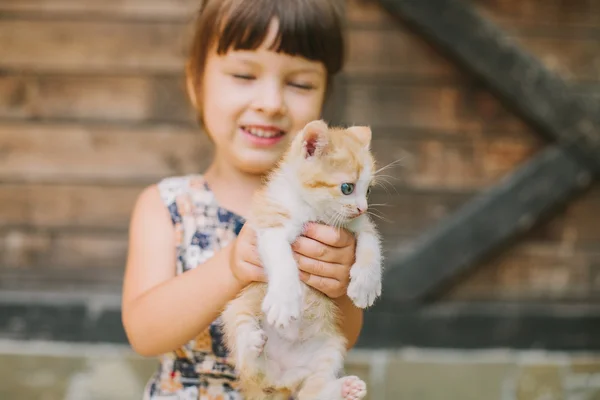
x: 308, y: 28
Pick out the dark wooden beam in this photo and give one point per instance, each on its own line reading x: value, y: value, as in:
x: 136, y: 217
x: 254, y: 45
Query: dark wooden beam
x: 476, y: 326
x: 450, y: 325
x: 485, y: 223
x: 539, y: 96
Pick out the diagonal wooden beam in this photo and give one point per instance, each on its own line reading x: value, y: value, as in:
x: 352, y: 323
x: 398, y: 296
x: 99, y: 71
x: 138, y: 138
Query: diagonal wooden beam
x: 530, y: 193
x: 521, y: 80
x: 485, y: 223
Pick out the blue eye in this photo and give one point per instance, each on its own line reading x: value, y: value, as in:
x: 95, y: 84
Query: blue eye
x: 347, y: 188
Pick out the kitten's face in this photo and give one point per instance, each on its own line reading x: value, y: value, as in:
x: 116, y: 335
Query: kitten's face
x: 335, y: 168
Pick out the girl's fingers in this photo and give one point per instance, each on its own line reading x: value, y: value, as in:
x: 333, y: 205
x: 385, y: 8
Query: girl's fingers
x: 328, y: 235
x: 323, y: 269
x: 314, y: 249
x: 330, y: 287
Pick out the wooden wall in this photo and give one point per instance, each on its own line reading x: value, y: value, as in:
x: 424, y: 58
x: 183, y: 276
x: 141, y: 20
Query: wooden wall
x: 92, y: 109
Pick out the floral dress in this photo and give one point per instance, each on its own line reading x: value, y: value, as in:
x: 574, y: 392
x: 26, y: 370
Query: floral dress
x: 201, y: 369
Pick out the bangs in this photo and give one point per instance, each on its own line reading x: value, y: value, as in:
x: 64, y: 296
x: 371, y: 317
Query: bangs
x: 307, y: 28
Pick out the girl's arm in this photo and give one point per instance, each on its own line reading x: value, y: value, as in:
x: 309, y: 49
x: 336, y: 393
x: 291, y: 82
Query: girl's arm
x: 162, y: 311
x: 352, y: 319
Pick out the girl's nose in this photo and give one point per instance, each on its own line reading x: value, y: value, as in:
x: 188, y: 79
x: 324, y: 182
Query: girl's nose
x: 269, y: 99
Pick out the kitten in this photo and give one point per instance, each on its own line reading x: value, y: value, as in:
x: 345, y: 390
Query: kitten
x: 285, y: 335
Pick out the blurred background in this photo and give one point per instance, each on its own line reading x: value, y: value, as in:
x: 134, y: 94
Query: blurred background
x: 93, y: 109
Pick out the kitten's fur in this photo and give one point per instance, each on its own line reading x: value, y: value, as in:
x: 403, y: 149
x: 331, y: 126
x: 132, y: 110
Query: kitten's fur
x: 285, y: 336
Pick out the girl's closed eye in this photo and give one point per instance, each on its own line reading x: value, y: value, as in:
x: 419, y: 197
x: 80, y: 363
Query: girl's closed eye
x: 244, y: 77
x: 302, y: 85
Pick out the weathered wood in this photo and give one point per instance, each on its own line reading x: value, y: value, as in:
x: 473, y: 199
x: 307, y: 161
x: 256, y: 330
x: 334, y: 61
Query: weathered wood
x: 97, y: 98
x: 424, y: 161
x: 491, y: 219
x: 66, y: 206
x: 120, y: 47
x: 139, y: 9
x: 99, y: 153
x: 539, y: 96
x: 91, y: 46
x: 465, y: 326
x: 549, y: 326
x: 44, y: 251
x: 553, y: 17
x: 556, y: 16
x: 532, y: 271
x: 442, y: 107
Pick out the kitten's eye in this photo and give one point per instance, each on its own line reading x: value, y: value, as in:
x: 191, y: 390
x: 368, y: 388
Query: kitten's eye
x: 369, y: 190
x: 347, y: 188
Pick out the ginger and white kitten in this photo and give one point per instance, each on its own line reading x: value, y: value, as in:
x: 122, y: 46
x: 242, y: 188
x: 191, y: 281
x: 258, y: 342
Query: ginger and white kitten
x: 285, y: 335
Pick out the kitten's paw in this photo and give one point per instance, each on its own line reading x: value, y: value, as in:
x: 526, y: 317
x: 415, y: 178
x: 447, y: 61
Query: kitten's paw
x: 353, y: 388
x: 250, y: 346
x: 365, y: 285
x: 282, y: 305
x: 255, y: 342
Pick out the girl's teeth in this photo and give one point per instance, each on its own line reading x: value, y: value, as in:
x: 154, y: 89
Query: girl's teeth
x: 262, y: 133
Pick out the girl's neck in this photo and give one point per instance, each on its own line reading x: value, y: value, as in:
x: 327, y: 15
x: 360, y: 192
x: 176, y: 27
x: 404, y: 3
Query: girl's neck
x: 232, y: 187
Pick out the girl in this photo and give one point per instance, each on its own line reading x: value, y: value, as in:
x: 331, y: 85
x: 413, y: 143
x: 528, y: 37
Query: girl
x: 258, y: 72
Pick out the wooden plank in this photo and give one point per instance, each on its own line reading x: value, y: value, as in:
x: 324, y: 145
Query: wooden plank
x: 539, y: 96
x: 485, y: 223
x: 96, y: 98
x: 66, y: 206
x: 532, y: 271
x: 454, y: 162
x: 31, y: 251
x: 117, y: 155
x: 442, y: 107
x: 91, y: 46
x: 99, y: 153
x: 557, y: 16
x: 120, y: 47
x: 574, y: 59
x: 397, y: 53
x: 142, y: 9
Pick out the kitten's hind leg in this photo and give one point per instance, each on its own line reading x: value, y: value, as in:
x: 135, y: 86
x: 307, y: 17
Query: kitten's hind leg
x: 345, y: 388
x: 243, y: 335
x: 322, y: 383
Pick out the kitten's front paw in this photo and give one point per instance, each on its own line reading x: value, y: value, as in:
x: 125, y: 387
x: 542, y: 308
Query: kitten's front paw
x: 282, y: 305
x: 365, y: 285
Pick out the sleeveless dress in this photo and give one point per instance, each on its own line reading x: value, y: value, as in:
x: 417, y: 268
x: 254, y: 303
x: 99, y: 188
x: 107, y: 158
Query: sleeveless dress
x: 201, y: 369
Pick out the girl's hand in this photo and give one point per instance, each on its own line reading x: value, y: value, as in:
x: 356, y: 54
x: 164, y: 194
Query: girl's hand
x: 244, y: 260
x: 325, y: 255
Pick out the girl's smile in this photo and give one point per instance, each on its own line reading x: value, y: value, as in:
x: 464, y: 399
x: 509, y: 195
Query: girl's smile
x: 262, y: 135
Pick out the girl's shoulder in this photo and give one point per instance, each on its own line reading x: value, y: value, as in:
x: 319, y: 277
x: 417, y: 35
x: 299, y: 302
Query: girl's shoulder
x: 173, y: 187
x: 183, y: 194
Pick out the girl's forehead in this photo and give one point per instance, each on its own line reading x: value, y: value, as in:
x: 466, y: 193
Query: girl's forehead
x: 266, y: 57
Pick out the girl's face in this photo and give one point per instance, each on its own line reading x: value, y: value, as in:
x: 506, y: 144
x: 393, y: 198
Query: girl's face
x: 254, y: 103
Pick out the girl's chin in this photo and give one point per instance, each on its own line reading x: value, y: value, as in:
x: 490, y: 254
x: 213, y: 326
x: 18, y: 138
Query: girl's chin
x: 258, y: 162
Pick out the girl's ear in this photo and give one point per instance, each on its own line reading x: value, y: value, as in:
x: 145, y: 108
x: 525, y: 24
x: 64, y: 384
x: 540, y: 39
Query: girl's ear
x: 315, y: 139
x: 363, y: 134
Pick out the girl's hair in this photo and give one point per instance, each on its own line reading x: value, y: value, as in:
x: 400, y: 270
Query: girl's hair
x: 312, y: 29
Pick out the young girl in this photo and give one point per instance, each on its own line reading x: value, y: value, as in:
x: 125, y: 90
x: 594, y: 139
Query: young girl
x: 258, y: 72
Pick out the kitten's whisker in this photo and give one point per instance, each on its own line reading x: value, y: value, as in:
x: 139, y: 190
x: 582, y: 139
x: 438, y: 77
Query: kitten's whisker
x: 390, y: 165
x: 379, y: 216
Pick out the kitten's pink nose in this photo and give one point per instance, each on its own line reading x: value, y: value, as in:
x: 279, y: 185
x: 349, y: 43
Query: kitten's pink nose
x: 360, y: 210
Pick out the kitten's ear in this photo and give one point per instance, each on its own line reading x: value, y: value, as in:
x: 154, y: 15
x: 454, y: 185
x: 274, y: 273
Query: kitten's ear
x: 314, y: 139
x: 363, y: 134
